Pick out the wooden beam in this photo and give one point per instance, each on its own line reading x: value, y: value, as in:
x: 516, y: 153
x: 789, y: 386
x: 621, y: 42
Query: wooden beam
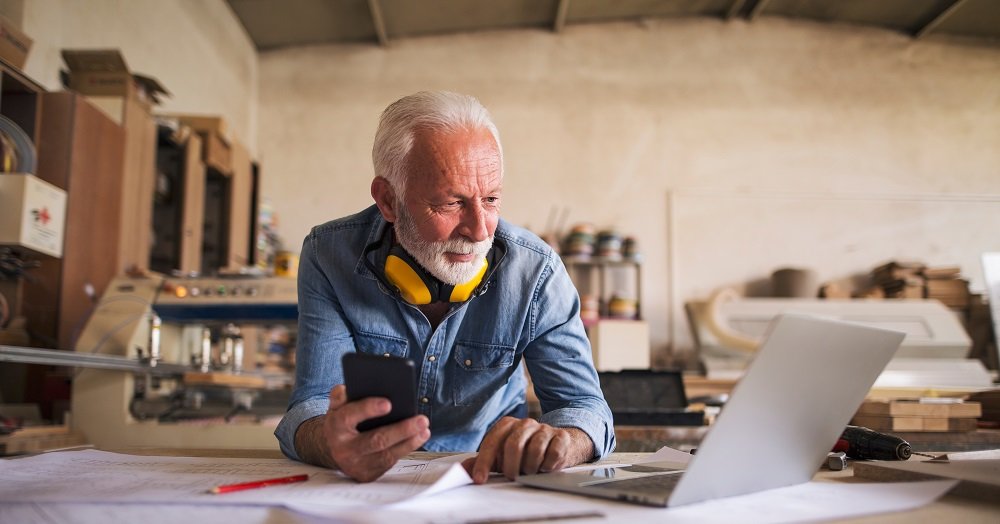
x: 376, y: 11
x: 757, y: 9
x: 561, y: 12
x: 940, y: 18
x: 735, y: 8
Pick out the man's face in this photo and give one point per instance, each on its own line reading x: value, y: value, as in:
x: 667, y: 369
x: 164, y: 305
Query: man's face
x: 451, y: 207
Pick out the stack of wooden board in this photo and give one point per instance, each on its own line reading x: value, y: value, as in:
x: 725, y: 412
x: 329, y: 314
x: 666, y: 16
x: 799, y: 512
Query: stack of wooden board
x: 918, y: 415
x: 39, y: 438
x: 990, y: 401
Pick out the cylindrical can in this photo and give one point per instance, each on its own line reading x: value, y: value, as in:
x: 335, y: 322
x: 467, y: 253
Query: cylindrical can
x: 286, y: 264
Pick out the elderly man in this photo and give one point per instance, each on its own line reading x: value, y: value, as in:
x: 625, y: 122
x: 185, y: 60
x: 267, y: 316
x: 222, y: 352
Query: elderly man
x: 496, y: 298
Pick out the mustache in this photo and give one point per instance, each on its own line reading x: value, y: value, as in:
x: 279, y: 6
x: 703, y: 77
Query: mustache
x: 465, y: 247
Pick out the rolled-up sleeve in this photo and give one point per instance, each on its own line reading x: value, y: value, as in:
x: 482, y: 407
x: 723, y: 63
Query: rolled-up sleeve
x: 294, y: 418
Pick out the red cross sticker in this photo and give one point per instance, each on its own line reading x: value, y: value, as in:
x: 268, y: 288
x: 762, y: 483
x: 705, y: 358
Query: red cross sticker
x: 43, y: 216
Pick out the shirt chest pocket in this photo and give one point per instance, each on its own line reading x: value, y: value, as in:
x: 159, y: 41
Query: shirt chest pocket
x: 482, y: 369
x: 380, y: 345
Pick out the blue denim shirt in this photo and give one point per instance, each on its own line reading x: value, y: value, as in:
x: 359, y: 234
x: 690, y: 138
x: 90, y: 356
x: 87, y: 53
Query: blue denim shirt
x: 470, y: 369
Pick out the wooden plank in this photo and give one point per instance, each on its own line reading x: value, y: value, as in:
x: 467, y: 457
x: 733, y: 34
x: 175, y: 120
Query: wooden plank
x: 914, y: 408
x: 224, y: 379
x: 240, y: 207
x: 193, y: 213
x: 38, y: 431
x: 137, y: 187
x: 889, y: 423
x: 927, y: 424
x: 39, y: 438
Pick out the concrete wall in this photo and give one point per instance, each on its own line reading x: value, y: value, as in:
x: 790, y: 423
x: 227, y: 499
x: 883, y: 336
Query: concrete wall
x: 727, y: 149
x: 196, y: 48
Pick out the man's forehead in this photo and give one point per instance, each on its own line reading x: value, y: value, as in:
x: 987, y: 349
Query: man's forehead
x: 444, y: 148
x: 427, y: 135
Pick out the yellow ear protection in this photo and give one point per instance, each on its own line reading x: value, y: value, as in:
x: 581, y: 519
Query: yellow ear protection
x: 402, y: 274
x: 418, y: 287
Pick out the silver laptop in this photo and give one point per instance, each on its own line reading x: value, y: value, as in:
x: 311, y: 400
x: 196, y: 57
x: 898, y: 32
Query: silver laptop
x: 782, y: 418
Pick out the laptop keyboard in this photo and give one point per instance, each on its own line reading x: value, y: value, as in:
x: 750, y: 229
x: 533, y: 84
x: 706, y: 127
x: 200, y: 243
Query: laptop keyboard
x: 653, y: 484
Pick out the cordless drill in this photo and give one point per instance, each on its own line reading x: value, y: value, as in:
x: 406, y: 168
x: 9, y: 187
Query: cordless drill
x: 865, y: 444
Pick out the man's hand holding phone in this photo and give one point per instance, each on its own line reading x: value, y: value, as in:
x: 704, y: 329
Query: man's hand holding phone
x: 367, y: 455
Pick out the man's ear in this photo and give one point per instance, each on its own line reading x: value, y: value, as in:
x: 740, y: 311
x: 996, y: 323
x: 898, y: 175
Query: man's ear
x: 385, y: 198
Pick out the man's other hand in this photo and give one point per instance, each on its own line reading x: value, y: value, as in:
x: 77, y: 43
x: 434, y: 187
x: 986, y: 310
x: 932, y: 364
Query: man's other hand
x: 524, y: 446
x: 365, y: 456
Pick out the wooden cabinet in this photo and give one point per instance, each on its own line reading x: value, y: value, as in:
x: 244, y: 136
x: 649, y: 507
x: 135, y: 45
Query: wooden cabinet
x: 203, y: 217
x: 81, y: 150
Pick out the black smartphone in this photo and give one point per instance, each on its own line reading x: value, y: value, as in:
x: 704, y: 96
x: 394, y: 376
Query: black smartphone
x: 394, y: 378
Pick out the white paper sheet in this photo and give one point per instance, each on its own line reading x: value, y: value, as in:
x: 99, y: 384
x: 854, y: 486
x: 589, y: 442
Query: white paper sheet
x: 986, y: 454
x: 667, y: 454
x: 504, y: 502
x: 496, y: 503
x: 53, y: 513
x: 99, y: 476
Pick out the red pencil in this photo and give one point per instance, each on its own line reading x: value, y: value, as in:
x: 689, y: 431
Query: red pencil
x: 227, y: 488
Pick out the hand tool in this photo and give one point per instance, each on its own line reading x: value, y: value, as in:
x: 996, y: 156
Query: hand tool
x: 863, y: 443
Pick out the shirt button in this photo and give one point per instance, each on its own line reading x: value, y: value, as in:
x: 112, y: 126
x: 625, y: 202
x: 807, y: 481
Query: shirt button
x: 386, y: 355
x: 468, y: 362
x: 432, y: 358
x: 424, y: 400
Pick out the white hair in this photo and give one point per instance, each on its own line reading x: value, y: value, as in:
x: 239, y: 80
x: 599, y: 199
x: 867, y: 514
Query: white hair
x: 431, y: 110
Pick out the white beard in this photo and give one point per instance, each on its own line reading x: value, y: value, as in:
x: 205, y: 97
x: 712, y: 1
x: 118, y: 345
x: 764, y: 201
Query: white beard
x: 431, y: 255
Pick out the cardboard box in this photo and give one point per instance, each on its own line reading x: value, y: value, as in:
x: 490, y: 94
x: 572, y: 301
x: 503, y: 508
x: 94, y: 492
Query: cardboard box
x: 201, y: 123
x: 216, y: 153
x: 103, y: 72
x: 32, y: 213
x: 14, y: 44
x: 216, y: 144
x: 620, y: 344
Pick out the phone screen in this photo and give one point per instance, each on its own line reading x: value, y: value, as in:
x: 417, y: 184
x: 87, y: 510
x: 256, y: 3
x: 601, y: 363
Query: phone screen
x: 394, y: 378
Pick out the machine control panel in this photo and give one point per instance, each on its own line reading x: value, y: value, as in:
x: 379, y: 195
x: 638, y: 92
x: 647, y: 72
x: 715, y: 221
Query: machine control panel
x: 216, y: 290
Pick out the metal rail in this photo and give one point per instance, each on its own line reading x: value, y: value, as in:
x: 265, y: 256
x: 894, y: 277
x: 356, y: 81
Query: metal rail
x: 56, y: 357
